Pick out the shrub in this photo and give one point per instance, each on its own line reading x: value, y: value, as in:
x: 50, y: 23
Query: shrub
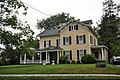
x: 68, y: 62
x: 88, y: 59
x: 78, y: 62
x: 63, y: 59
x: 101, y: 61
x: 73, y: 62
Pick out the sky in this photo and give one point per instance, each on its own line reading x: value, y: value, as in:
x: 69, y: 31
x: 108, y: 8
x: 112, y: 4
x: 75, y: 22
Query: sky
x: 80, y: 9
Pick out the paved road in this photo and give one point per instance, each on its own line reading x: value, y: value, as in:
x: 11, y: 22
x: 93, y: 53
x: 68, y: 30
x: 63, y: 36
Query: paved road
x: 59, y: 75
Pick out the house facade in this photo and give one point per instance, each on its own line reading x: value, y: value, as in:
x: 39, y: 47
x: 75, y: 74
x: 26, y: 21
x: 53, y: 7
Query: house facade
x: 73, y: 39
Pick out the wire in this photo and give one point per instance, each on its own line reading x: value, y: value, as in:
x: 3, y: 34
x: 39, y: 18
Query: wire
x: 37, y: 10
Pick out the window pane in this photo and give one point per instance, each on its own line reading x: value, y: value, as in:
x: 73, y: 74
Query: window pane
x: 66, y: 40
x: 80, y: 39
x: 47, y: 43
x: 67, y: 53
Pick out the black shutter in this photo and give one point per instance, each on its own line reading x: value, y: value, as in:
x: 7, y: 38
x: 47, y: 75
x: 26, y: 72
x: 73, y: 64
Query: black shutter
x: 70, y: 54
x: 85, y: 52
x: 38, y: 45
x: 63, y: 52
x: 57, y: 42
x: 69, y: 28
x: 44, y: 43
x: 77, y: 39
x: 76, y: 27
x: 84, y: 40
x: 63, y: 40
x: 69, y: 39
x: 49, y: 43
x: 78, y: 55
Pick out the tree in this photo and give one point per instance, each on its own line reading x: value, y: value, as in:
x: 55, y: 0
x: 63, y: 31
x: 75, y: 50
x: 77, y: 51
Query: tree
x: 14, y: 35
x: 109, y: 25
x: 53, y: 21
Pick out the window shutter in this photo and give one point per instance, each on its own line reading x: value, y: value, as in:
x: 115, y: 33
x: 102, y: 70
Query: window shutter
x: 38, y: 45
x: 84, y: 40
x: 57, y: 42
x: 70, y: 54
x: 63, y: 52
x: 69, y: 39
x: 44, y: 43
x: 77, y: 39
x: 85, y: 52
x: 69, y: 28
x: 78, y: 55
x: 63, y: 40
x: 76, y: 27
x: 49, y: 43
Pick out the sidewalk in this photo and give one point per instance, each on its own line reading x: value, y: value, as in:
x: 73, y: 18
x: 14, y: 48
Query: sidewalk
x: 59, y: 75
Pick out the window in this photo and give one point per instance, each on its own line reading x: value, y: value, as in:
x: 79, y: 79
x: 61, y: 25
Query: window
x: 58, y: 42
x: 94, y: 41
x: 68, y: 53
x: 80, y: 53
x: 66, y: 40
x: 80, y: 39
x: 47, y: 43
x: 73, y: 27
x: 91, y: 40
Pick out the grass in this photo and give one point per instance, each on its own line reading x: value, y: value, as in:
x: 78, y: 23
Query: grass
x: 59, y: 69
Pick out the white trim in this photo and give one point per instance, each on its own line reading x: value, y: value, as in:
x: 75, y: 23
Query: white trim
x: 24, y: 58
x: 102, y: 53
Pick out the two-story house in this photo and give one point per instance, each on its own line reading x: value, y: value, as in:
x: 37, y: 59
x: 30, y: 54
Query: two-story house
x: 74, y: 39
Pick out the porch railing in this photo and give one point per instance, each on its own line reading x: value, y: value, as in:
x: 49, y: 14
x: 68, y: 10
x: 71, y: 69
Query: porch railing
x: 34, y: 61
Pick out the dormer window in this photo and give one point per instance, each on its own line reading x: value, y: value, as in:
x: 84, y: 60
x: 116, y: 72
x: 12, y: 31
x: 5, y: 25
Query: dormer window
x: 73, y: 27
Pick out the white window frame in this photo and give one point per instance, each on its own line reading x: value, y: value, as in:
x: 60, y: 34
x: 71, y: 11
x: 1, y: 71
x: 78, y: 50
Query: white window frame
x: 58, y: 42
x: 47, y: 43
x: 73, y: 27
x: 67, y: 40
x: 67, y: 53
x: 81, y: 54
x: 80, y: 39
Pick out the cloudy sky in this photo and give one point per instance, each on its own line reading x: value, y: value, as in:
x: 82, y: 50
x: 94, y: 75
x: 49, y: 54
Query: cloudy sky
x: 80, y: 9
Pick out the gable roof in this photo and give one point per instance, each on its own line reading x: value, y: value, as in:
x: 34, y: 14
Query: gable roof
x: 84, y: 23
x: 49, y: 32
x: 57, y: 31
x: 87, y: 22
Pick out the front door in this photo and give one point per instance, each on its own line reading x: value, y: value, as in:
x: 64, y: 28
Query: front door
x: 53, y: 56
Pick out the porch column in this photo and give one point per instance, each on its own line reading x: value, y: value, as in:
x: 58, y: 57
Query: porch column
x: 24, y: 58
x: 40, y: 57
x: 33, y: 59
x: 49, y: 57
x: 20, y: 58
x: 58, y: 55
x: 102, y: 53
x: 46, y: 57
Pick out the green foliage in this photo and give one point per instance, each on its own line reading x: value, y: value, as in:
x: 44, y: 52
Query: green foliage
x: 108, y: 28
x: 63, y: 59
x: 68, y: 61
x: 88, y: 59
x: 15, y: 36
x: 73, y: 62
x: 78, y: 62
x: 53, y: 21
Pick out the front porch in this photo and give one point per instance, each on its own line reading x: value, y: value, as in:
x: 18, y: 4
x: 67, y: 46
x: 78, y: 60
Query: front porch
x: 100, y: 52
x: 46, y: 55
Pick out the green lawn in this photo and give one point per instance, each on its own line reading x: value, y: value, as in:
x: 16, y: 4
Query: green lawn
x: 61, y: 68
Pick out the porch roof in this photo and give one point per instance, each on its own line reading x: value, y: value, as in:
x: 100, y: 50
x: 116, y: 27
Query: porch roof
x: 48, y: 49
x: 99, y: 46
